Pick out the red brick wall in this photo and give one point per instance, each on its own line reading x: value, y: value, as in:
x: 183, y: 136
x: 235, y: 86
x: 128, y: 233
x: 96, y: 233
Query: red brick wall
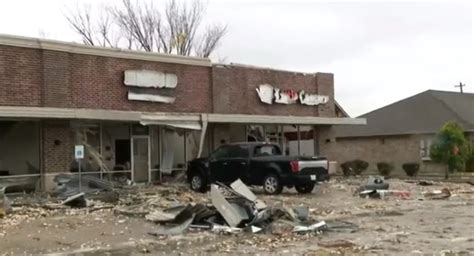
x: 56, y: 86
x: 20, y: 76
x: 234, y: 90
x: 33, y: 77
x: 97, y: 82
x: 57, y: 158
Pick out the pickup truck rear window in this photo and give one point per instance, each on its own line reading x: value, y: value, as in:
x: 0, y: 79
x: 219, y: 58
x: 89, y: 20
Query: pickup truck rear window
x: 266, y: 150
x: 231, y: 151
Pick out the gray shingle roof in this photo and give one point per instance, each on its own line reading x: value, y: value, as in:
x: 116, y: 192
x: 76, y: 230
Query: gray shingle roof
x: 425, y: 112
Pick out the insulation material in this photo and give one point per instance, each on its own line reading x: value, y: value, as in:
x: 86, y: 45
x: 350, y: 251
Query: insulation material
x: 81, y: 134
x: 192, y: 144
x: 150, y: 78
x: 150, y: 97
x: 168, y: 152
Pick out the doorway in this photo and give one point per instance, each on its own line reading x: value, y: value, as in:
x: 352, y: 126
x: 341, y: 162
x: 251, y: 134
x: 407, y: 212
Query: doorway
x: 141, y: 158
x: 122, y: 152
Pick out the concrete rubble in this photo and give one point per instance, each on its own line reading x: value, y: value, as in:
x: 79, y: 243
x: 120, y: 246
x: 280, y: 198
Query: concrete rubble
x: 171, y: 219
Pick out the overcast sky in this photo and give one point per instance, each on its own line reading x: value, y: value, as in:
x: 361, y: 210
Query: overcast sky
x: 379, y: 51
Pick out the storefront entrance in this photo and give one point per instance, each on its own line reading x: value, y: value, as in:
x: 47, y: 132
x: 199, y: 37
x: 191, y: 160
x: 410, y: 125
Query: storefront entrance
x: 141, y: 158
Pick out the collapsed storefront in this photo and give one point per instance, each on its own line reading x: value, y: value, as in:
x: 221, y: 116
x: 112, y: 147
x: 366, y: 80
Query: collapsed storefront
x: 143, y: 115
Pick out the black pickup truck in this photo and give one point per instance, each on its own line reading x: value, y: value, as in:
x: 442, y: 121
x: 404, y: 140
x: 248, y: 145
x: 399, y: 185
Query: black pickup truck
x: 260, y: 164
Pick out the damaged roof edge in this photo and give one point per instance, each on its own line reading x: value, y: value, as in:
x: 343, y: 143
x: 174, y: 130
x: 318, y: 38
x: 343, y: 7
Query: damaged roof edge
x: 264, y: 68
x: 151, y: 117
x: 70, y: 47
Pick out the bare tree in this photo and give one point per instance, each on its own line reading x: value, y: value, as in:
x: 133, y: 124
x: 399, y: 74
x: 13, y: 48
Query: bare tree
x: 210, y: 40
x: 81, y: 23
x: 93, y: 31
x: 176, y: 29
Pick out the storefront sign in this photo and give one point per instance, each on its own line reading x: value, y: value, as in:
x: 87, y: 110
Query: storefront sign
x: 312, y: 99
x: 268, y: 94
x: 150, y: 79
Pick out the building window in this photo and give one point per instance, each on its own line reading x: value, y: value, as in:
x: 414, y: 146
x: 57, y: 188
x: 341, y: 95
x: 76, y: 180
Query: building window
x: 425, y: 146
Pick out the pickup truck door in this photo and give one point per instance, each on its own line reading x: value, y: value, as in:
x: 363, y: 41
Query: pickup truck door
x: 238, y: 163
x: 229, y: 163
x: 219, y: 163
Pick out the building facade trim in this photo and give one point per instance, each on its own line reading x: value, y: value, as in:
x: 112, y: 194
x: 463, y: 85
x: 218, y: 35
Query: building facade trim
x: 150, y: 117
x: 54, y: 45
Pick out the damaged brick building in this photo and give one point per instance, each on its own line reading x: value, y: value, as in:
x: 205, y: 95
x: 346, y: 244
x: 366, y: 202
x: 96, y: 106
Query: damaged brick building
x: 141, y: 115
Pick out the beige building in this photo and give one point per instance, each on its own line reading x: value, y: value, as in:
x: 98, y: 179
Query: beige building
x: 401, y: 132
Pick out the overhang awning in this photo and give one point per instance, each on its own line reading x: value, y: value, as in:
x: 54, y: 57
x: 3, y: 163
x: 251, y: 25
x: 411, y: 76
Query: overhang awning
x: 182, y: 120
x: 185, y: 121
x: 266, y: 119
x: 175, y: 124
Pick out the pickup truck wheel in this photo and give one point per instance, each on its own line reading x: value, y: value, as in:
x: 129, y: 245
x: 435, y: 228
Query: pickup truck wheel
x: 304, y: 189
x: 197, y: 183
x: 272, y: 184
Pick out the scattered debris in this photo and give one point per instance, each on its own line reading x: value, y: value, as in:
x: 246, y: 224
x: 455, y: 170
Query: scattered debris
x: 255, y: 229
x: 68, y: 185
x: 77, y: 201
x: 336, y: 244
x: 437, y: 194
x: 280, y: 225
x: 5, y: 205
x: 216, y: 228
x: 173, y: 230
x: 301, y: 212
x: 382, y: 193
x: 425, y: 183
x: 341, y: 226
x: 373, y: 183
x: 164, y: 216
x: 314, y: 227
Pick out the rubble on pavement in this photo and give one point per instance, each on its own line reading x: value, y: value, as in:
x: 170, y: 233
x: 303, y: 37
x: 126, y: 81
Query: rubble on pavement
x: 437, y: 194
x: 275, y: 224
x: 5, y: 205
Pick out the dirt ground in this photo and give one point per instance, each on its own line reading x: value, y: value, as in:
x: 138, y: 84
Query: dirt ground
x: 389, y: 226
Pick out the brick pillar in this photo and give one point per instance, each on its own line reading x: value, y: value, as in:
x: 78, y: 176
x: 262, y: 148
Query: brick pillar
x: 58, y: 149
x: 325, y: 84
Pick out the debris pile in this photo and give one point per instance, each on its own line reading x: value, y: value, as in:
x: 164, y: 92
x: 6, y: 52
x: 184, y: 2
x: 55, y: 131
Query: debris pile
x: 68, y: 185
x: 233, y: 209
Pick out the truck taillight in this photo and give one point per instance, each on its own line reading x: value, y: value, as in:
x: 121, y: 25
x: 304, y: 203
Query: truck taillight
x: 295, y: 166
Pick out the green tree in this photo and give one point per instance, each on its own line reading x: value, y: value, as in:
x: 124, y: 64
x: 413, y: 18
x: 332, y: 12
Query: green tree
x: 450, y: 147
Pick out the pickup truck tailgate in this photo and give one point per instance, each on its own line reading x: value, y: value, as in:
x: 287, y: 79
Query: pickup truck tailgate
x: 319, y: 168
